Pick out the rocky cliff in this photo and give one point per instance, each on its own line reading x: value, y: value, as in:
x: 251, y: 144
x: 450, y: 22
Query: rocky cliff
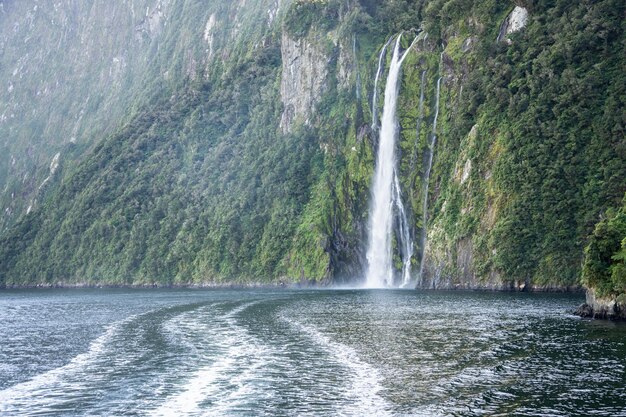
x: 611, y: 308
x: 205, y: 142
x: 303, y: 79
x: 508, y: 209
x: 73, y: 73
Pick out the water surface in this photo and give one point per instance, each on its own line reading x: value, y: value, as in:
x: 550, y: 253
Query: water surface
x: 313, y: 352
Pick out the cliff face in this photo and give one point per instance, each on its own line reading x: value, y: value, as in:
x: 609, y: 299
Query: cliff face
x: 508, y: 208
x: 303, y: 80
x: 73, y: 72
x: 233, y: 141
x: 611, y: 308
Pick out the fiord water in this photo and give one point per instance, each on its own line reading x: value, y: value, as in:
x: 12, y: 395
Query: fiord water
x: 308, y: 352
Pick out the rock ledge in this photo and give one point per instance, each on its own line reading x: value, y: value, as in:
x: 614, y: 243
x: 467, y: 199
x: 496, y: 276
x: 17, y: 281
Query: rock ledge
x: 606, y: 309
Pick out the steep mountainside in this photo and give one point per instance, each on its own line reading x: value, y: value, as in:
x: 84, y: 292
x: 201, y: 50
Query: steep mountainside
x: 212, y: 142
x: 74, y: 72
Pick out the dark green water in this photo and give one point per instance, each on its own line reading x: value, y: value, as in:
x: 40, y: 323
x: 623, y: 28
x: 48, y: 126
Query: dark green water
x: 322, y: 353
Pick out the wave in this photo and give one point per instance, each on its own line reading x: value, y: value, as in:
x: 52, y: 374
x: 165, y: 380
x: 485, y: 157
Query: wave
x: 227, y: 382
x: 365, y: 385
x: 32, y: 393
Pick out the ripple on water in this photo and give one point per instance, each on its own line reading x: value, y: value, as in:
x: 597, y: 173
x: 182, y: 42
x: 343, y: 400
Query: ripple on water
x: 226, y: 381
x: 363, y: 386
x: 37, y: 393
x: 308, y: 353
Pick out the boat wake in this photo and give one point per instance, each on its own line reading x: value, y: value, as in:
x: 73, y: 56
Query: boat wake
x: 230, y: 379
x: 364, y: 385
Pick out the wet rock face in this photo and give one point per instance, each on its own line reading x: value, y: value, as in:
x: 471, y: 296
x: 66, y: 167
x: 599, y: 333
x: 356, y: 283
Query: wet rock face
x: 607, y: 309
x: 303, y: 81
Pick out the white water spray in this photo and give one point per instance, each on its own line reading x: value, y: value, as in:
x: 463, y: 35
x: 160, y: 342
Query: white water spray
x: 379, y: 254
x: 426, y: 180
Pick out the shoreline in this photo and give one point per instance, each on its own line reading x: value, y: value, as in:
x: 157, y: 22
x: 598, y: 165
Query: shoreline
x: 297, y: 285
x: 149, y: 286
x: 511, y: 287
x: 610, y: 308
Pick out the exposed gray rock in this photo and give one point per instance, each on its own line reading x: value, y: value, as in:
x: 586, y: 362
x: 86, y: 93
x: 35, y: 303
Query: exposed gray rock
x: 464, y: 259
x: 516, y: 21
x: 602, y: 308
x: 346, y: 66
x: 209, y: 35
x: 303, y: 81
x: 467, y: 169
x: 468, y: 44
x: 154, y: 20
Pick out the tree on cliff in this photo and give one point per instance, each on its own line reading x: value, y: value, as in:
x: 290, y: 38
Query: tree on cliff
x: 604, y: 268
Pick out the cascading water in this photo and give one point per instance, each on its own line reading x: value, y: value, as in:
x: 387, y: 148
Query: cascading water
x: 379, y: 72
x: 404, y: 238
x: 386, y: 187
x: 426, y: 179
x: 358, y: 74
x: 420, y: 112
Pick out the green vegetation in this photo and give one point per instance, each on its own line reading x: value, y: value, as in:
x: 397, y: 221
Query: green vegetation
x: 549, y: 155
x: 198, y: 188
x: 604, y: 269
x: 196, y: 183
x: 70, y: 86
x: 303, y: 14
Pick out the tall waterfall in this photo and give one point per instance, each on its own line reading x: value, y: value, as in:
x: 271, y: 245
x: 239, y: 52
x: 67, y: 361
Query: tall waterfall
x: 426, y: 179
x: 386, y: 187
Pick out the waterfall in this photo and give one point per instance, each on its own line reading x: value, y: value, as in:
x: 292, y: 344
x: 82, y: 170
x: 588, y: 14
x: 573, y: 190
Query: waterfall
x: 379, y: 72
x: 426, y: 179
x: 418, y: 127
x: 385, y: 186
x: 356, y: 65
x: 404, y: 238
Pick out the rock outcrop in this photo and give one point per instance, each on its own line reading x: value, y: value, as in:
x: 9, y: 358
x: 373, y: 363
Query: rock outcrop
x: 304, y: 75
x: 602, y: 308
x: 516, y: 21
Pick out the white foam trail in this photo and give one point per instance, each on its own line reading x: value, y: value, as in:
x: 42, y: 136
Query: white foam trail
x: 225, y: 383
x: 253, y: 359
x: 182, y: 329
x: 32, y: 393
x: 365, y: 385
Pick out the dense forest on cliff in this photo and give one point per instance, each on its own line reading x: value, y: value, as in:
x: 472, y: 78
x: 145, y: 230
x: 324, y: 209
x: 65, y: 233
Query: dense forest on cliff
x: 218, y: 169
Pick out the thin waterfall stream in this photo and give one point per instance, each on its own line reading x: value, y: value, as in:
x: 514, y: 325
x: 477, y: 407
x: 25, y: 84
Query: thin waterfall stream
x: 404, y: 238
x: 418, y: 126
x: 356, y: 68
x: 426, y: 179
x: 386, y: 192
